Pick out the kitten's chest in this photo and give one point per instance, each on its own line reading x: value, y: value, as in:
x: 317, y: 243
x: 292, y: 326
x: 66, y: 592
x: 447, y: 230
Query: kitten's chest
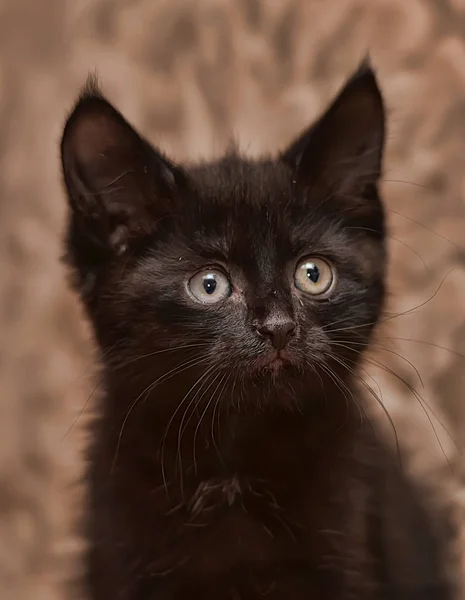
x: 247, y: 539
x: 269, y: 508
x: 239, y: 521
x: 261, y: 524
x: 233, y: 525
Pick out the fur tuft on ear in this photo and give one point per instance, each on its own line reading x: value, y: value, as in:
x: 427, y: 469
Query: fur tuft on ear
x: 114, y: 179
x: 341, y: 154
x: 91, y: 88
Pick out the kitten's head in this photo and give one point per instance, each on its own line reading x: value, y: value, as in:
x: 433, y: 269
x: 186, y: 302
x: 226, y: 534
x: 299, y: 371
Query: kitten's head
x: 269, y: 273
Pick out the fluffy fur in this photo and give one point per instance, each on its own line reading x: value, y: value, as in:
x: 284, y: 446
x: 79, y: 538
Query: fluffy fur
x: 231, y: 458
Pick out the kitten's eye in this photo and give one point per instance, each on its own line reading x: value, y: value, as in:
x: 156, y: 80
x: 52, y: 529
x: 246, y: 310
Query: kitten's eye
x: 314, y: 276
x: 210, y: 286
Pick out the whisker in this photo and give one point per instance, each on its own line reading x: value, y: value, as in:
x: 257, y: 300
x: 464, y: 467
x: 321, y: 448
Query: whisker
x: 412, y: 390
x: 454, y: 352
x: 402, y: 243
x: 422, y: 403
x: 396, y: 239
x: 425, y: 227
x: 81, y: 411
x: 133, y: 359
x: 396, y: 315
x: 378, y: 400
x: 217, y: 407
x: 420, y: 185
x: 207, y: 406
x: 378, y: 347
x: 99, y: 358
x: 165, y: 433
x: 182, y: 427
x: 338, y: 382
x: 147, y: 391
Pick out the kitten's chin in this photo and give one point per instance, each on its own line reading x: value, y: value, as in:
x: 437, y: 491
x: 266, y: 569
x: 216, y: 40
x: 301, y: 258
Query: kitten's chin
x: 276, y: 363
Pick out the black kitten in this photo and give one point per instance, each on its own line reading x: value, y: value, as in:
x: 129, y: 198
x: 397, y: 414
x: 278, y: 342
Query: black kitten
x: 232, y: 302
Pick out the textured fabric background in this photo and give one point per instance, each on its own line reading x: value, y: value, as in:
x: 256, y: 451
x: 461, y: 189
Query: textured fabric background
x: 190, y: 74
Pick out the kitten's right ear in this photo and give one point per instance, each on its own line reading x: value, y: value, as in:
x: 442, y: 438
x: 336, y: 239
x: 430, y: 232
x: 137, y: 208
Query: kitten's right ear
x: 343, y: 151
x: 117, y: 184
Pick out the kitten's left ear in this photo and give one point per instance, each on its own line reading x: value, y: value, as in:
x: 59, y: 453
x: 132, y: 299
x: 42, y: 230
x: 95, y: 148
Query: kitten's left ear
x: 342, y: 152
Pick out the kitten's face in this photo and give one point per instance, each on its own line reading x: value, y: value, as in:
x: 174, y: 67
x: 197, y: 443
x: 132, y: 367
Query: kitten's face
x: 266, y: 273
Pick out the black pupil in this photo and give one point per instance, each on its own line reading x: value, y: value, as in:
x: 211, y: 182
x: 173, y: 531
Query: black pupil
x: 209, y: 284
x: 313, y: 273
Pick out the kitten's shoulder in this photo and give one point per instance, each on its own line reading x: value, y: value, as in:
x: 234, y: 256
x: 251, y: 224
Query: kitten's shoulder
x: 409, y: 532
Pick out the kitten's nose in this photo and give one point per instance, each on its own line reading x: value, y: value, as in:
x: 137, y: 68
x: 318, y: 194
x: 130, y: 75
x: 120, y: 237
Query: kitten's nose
x: 278, y: 330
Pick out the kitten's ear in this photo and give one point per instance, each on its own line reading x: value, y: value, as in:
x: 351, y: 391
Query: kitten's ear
x: 116, y: 182
x: 342, y: 152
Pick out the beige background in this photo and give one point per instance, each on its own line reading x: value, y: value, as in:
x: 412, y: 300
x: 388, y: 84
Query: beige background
x: 190, y: 74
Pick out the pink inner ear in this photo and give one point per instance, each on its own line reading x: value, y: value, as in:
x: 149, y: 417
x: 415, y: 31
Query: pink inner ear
x: 102, y: 149
x: 93, y: 136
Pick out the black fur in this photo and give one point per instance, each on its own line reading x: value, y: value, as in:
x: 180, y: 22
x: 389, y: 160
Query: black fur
x: 229, y: 459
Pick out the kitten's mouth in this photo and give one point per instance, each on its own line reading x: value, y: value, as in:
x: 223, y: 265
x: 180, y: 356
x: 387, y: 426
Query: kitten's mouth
x: 275, y: 361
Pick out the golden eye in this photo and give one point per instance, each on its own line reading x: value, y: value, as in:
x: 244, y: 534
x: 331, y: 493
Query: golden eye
x: 210, y: 286
x: 314, y: 276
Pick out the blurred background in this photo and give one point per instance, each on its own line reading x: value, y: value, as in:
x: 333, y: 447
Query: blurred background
x: 190, y: 74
